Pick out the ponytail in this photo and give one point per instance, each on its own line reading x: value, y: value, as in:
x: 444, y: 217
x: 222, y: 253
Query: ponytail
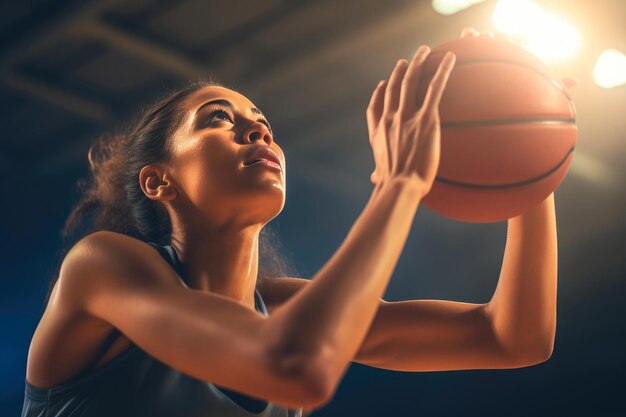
x: 104, y: 191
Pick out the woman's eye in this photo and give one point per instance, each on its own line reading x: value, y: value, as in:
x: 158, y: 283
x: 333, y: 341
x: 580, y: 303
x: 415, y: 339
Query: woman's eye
x: 219, y: 112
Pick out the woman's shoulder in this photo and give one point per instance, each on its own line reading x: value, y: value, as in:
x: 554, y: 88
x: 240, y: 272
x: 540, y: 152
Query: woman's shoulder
x: 107, y: 239
x: 104, y: 259
x: 104, y: 247
x: 66, y: 331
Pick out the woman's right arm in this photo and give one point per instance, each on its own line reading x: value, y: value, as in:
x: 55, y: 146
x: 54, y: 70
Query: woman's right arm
x: 323, y: 325
x: 329, y: 318
x: 295, y: 357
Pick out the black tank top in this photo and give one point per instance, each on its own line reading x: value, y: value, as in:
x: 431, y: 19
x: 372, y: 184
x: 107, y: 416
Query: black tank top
x: 135, y: 384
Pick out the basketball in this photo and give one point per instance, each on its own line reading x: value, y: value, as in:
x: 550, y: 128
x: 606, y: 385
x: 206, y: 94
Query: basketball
x: 508, y: 131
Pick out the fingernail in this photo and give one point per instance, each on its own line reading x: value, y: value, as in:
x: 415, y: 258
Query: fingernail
x: 422, y: 50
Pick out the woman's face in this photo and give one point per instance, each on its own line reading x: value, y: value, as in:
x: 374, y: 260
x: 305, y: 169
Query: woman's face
x: 222, y: 130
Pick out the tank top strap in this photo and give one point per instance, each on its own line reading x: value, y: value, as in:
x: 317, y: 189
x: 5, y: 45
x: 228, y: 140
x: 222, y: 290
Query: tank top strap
x: 169, y: 254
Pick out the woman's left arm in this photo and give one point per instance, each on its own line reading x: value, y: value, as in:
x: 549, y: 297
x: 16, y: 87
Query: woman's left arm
x: 515, y: 329
x: 523, y: 307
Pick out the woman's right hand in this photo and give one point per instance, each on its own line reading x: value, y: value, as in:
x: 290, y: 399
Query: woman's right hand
x: 405, y: 134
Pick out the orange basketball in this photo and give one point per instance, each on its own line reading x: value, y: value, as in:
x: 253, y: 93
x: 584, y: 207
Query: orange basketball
x: 508, y: 131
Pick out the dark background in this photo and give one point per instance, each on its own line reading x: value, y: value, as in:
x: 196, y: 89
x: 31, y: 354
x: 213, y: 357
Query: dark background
x: 72, y: 70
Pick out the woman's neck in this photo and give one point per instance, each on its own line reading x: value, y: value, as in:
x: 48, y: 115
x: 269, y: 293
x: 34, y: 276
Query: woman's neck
x: 225, y: 263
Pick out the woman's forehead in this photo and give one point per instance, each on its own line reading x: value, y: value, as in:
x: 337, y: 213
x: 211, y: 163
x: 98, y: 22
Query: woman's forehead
x: 209, y: 93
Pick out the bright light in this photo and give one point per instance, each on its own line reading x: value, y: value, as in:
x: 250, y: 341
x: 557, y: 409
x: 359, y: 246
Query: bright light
x: 453, y: 6
x: 545, y: 35
x: 610, y: 69
x: 515, y: 16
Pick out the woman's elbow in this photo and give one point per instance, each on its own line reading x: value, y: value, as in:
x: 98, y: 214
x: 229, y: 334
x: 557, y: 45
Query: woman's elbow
x: 546, y: 353
x: 311, y: 376
x: 535, y: 355
x: 318, y: 387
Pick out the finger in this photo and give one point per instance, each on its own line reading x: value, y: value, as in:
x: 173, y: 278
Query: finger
x: 438, y: 84
x: 375, y: 107
x: 392, y: 92
x: 408, y: 91
x: 469, y: 31
x: 570, y: 82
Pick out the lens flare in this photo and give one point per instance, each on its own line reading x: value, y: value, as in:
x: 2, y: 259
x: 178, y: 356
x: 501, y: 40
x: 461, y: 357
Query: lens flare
x: 545, y: 35
x: 610, y: 69
x: 453, y: 6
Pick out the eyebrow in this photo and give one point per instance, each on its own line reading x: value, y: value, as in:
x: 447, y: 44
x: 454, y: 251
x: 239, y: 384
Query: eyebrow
x: 228, y: 104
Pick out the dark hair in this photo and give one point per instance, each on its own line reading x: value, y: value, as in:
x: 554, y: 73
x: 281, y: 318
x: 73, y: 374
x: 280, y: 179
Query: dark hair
x: 114, y: 198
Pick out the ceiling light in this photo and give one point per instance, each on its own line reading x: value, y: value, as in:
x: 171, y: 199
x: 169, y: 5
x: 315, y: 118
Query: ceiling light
x: 545, y: 35
x: 610, y: 69
x: 453, y: 6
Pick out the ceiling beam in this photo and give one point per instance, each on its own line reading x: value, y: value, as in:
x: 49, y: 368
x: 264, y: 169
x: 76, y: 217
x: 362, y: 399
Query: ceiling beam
x: 370, y: 37
x: 134, y: 45
x: 59, y: 98
x: 90, y: 28
x: 51, y: 31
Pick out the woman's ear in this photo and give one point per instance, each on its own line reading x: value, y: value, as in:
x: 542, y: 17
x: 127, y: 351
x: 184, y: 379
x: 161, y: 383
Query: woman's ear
x: 154, y: 184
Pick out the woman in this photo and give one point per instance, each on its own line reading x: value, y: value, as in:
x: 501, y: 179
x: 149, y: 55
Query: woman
x: 164, y: 295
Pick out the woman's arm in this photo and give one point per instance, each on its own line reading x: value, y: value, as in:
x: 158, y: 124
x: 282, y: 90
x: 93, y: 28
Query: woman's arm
x: 523, y: 307
x: 439, y: 335
x: 515, y: 329
x: 416, y: 335
x: 327, y: 320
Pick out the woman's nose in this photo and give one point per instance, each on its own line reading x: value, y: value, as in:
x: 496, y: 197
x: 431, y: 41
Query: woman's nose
x: 259, y: 131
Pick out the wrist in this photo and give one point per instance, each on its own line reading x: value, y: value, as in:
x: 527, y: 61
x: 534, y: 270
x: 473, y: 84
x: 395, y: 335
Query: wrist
x: 539, y: 210
x: 406, y: 184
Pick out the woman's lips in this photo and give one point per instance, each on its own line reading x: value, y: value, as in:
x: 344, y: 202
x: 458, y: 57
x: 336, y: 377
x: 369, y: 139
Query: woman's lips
x: 263, y: 153
x: 266, y: 163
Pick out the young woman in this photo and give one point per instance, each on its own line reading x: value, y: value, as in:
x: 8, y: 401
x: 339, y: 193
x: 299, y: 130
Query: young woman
x: 159, y: 311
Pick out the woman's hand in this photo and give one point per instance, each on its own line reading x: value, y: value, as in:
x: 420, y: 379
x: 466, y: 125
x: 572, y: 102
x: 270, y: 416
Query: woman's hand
x: 405, y: 134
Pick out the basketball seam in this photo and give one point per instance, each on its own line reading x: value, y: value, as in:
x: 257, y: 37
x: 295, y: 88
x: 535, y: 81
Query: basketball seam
x: 510, y: 185
x: 544, y: 73
x: 529, y: 120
